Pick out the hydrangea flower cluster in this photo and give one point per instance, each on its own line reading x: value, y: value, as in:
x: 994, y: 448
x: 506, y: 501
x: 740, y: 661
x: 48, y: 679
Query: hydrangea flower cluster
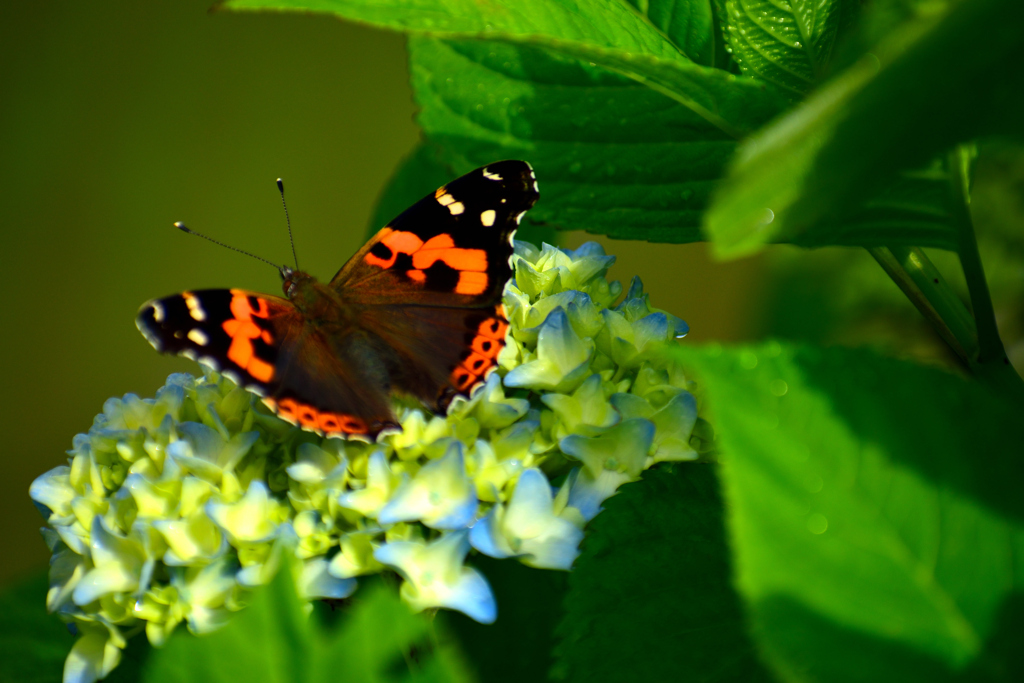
x: 174, y: 509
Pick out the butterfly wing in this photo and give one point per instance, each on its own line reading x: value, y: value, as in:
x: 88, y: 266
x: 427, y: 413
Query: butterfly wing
x: 331, y: 385
x: 440, y: 352
x: 430, y: 283
x: 418, y: 310
x: 449, y: 249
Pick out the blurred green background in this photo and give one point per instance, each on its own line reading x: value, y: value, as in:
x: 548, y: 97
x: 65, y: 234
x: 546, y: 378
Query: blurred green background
x: 118, y: 118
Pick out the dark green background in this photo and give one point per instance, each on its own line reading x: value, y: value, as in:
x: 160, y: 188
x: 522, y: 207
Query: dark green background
x: 118, y: 118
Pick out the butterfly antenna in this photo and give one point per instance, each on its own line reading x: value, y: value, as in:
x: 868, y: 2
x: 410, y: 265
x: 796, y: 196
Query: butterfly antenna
x: 184, y: 228
x: 280, y: 188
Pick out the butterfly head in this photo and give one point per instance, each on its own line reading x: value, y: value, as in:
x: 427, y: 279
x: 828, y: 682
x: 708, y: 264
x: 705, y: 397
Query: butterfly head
x: 292, y: 280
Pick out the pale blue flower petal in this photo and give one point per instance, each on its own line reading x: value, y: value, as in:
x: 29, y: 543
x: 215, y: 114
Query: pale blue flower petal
x: 486, y: 535
x: 53, y: 490
x: 206, y: 591
x: 92, y: 657
x: 117, y: 565
x: 253, y: 519
x: 472, y: 596
x: 622, y: 448
x: 440, y: 495
x: 316, y: 582
x: 380, y: 483
x: 66, y: 569
x: 563, y: 359
x: 587, y: 493
x: 435, y: 576
x: 650, y: 330
x: 528, y: 527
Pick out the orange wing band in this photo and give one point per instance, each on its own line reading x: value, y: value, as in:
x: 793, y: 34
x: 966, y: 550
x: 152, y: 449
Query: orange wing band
x: 470, y: 263
x: 483, y: 357
x: 311, y: 419
x: 471, y: 283
x: 243, y: 331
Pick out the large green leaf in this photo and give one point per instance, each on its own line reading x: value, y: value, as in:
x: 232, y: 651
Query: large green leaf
x: 611, y: 156
x: 912, y: 210
x: 687, y: 23
x: 609, y: 34
x: 272, y: 640
x: 650, y: 596
x: 876, y: 514
x: 784, y: 43
x: 33, y: 643
x: 941, y: 78
x: 517, y: 647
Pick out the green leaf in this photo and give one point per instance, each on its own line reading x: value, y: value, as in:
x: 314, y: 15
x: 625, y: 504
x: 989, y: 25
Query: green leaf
x: 609, y: 34
x: 381, y: 640
x: 876, y: 517
x: 786, y: 44
x: 944, y: 77
x: 912, y: 210
x: 529, y: 607
x: 687, y: 23
x: 611, y: 156
x: 272, y: 640
x: 650, y: 597
x: 34, y: 643
x: 269, y: 641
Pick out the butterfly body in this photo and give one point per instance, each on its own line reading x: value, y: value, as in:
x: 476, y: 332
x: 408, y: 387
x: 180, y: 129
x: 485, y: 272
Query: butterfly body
x: 416, y: 311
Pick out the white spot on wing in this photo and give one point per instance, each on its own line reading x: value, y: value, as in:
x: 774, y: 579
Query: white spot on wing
x: 158, y: 311
x: 445, y: 199
x: 199, y: 337
x: 491, y: 176
x: 487, y: 218
x: 233, y: 376
x: 520, y: 217
x: 456, y: 208
x: 195, y: 309
x: 190, y: 354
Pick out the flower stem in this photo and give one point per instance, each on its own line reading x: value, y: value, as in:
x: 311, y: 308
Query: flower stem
x: 915, y: 274
x: 990, y: 364
x: 974, y: 338
x: 990, y: 345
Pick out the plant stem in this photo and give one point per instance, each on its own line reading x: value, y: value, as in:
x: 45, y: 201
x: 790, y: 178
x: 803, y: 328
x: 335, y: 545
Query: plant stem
x: 974, y: 338
x: 915, y: 274
x: 990, y: 364
x: 990, y: 345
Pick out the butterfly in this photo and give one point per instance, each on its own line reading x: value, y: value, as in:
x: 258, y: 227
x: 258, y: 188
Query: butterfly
x: 417, y: 310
